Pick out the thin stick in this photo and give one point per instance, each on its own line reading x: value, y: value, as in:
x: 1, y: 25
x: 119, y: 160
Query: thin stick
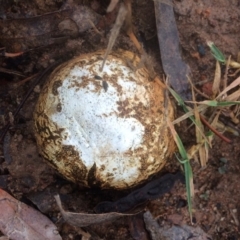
x: 199, y: 92
x: 94, y: 27
x: 226, y: 73
x: 12, y: 55
x: 112, y: 5
x: 214, y: 130
x: 129, y: 28
x: 8, y: 71
x: 115, y: 31
x: 17, y: 84
x: 235, y: 73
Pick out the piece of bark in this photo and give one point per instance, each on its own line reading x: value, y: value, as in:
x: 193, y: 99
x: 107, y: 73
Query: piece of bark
x: 174, y: 67
x: 21, y: 222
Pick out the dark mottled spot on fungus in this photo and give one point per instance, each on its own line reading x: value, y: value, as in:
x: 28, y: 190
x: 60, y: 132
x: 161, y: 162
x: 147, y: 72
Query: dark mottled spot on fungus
x: 59, y: 107
x: 105, y: 85
x: 97, y: 77
x: 55, y: 87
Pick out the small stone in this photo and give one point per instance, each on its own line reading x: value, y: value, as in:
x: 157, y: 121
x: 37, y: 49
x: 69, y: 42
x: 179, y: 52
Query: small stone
x: 37, y: 89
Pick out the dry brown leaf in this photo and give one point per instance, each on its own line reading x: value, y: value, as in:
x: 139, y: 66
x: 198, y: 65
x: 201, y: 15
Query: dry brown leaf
x: 235, y: 83
x: 21, y: 222
x: 217, y: 79
x: 199, y: 135
x: 234, y: 64
x: 225, y: 77
x: 200, y: 108
x: 86, y: 219
x: 235, y: 96
x: 12, y: 55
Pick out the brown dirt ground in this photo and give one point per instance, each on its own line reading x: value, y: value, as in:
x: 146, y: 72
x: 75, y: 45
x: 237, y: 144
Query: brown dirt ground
x: 24, y: 174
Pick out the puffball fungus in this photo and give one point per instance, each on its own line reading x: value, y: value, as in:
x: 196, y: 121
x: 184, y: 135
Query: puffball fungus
x: 104, y: 128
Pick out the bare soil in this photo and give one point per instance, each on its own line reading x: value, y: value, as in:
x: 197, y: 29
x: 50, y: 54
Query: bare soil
x: 28, y: 178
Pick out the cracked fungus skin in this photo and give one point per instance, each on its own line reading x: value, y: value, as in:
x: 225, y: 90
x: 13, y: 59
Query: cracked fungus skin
x: 105, y: 129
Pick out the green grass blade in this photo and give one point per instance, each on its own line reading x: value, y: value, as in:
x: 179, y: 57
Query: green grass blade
x: 181, y: 103
x: 214, y: 103
x: 186, y: 165
x: 185, y: 108
x: 227, y: 104
x: 218, y: 55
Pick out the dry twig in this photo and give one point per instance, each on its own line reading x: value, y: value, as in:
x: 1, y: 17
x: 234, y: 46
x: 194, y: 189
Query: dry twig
x: 112, y: 5
x: 115, y: 31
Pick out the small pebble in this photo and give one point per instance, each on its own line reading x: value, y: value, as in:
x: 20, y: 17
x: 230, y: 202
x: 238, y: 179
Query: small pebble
x: 201, y: 50
x: 37, y: 89
x: 70, y: 236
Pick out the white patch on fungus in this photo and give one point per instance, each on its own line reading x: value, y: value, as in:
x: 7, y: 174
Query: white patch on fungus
x: 110, y: 127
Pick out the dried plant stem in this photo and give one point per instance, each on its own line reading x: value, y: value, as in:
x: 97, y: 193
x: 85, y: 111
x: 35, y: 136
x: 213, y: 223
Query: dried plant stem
x: 129, y: 28
x: 226, y: 73
x: 94, y: 27
x: 12, y: 55
x: 17, y: 73
x: 145, y: 60
x: 17, y: 84
x: 201, y: 93
x: 235, y: 73
x: 214, y: 130
x: 216, y: 80
x: 112, y: 5
x: 115, y: 31
x: 135, y: 41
